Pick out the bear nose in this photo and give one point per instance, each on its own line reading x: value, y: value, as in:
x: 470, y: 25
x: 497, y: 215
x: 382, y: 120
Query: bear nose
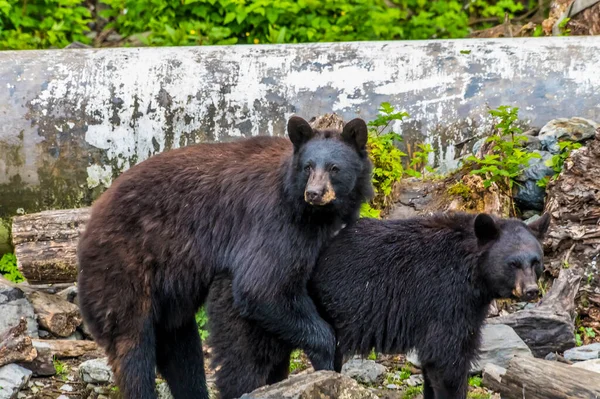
x: 313, y: 196
x: 531, y: 292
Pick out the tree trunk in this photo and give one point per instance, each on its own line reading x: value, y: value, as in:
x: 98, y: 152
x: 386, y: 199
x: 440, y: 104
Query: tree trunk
x: 64, y: 348
x: 533, y: 378
x: 46, y: 242
x: 16, y: 345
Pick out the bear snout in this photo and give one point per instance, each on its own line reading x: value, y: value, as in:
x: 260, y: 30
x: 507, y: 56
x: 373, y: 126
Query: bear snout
x: 319, y: 190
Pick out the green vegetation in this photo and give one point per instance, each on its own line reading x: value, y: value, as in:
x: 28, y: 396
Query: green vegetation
x: 62, y: 370
x: 475, y: 381
x: 508, y: 158
x: 55, y: 23
x: 201, y: 321
x: 296, y: 362
x: 557, y: 161
x: 412, y: 392
x: 418, y: 164
x: 460, y: 189
x: 386, y: 158
x: 9, y: 269
x: 583, y: 333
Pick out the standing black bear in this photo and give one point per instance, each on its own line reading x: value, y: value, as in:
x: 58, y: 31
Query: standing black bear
x: 422, y: 283
x: 260, y: 209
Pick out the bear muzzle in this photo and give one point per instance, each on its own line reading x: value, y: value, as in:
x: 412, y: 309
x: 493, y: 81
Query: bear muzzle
x: 319, y: 190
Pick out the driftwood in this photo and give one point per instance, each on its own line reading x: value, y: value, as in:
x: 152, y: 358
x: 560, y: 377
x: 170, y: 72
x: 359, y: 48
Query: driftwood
x: 56, y: 315
x: 45, y: 244
x: 532, y: 378
x: 64, y: 348
x: 549, y: 326
x: 16, y: 345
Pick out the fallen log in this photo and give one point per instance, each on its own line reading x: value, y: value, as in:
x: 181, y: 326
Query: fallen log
x: 532, y: 378
x: 64, y: 348
x: 16, y: 345
x: 46, y: 243
x: 55, y: 314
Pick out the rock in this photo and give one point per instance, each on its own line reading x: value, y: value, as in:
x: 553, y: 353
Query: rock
x: 414, y: 380
x: 530, y: 215
x: 96, y: 371
x: 318, y: 385
x: 12, y: 379
x: 575, y: 129
x: 413, y: 358
x: 362, y: 370
x: 499, y: 343
x: 13, y: 306
x: 66, y: 388
x: 528, y: 195
x: 585, y: 352
x: 533, y: 143
x: 392, y: 386
x: 551, y: 356
x: 591, y: 365
x: 163, y: 391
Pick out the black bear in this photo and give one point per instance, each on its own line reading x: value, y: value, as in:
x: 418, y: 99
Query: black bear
x: 260, y: 209
x: 423, y: 283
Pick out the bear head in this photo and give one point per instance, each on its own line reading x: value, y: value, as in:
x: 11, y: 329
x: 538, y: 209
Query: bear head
x: 513, y: 255
x: 330, y: 165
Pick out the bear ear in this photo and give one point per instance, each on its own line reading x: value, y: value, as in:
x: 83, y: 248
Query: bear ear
x: 356, y: 133
x: 486, y: 229
x: 540, y: 225
x: 299, y: 131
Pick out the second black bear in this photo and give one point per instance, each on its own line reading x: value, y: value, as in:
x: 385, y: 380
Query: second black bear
x: 260, y: 208
x: 423, y: 283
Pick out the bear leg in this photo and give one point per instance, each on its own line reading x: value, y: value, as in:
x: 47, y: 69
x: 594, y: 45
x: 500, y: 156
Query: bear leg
x: 133, y: 362
x: 180, y: 360
x: 280, y: 371
x: 445, y: 384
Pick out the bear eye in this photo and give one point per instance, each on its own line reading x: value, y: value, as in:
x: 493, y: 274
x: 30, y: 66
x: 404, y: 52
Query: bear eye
x: 514, y: 264
x: 334, y: 169
x: 308, y: 167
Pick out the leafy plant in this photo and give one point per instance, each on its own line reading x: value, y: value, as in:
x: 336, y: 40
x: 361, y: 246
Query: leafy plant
x: 475, y: 381
x: 62, y: 370
x: 412, y: 392
x: 460, y: 189
x: 201, y: 321
x: 418, y: 163
x: 372, y: 355
x: 296, y: 362
x: 584, y: 333
x: 9, y: 269
x: 558, y: 160
x: 386, y: 158
x: 508, y: 158
x: 42, y: 23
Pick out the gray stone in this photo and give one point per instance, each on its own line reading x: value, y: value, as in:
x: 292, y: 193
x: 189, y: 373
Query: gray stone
x: 591, y: 365
x: 12, y: 379
x: 13, y: 306
x: 163, y: 391
x: 367, y: 371
x: 318, y: 385
x: 392, y: 386
x: 532, y: 143
x: 552, y: 356
x: 96, y: 371
x: 581, y: 353
x: 528, y: 195
x: 499, y: 343
x: 414, y: 380
x: 574, y: 129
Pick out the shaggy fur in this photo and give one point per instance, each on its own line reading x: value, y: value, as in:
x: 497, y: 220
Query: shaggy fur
x: 165, y: 227
x: 422, y: 283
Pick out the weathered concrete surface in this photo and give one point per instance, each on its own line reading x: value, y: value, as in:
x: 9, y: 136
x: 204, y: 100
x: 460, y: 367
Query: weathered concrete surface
x: 72, y: 120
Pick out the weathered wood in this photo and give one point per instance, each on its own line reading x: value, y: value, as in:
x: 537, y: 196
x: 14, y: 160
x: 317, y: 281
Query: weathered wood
x: 46, y: 243
x: 65, y: 348
x: 16, y: 345
x: 533, y: 378
x: 549, y: 326
x: 56, y: 315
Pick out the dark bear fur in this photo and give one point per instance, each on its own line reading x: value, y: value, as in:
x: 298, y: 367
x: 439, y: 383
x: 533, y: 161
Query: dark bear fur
x: 259, y: 208
x: 422, y: 283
